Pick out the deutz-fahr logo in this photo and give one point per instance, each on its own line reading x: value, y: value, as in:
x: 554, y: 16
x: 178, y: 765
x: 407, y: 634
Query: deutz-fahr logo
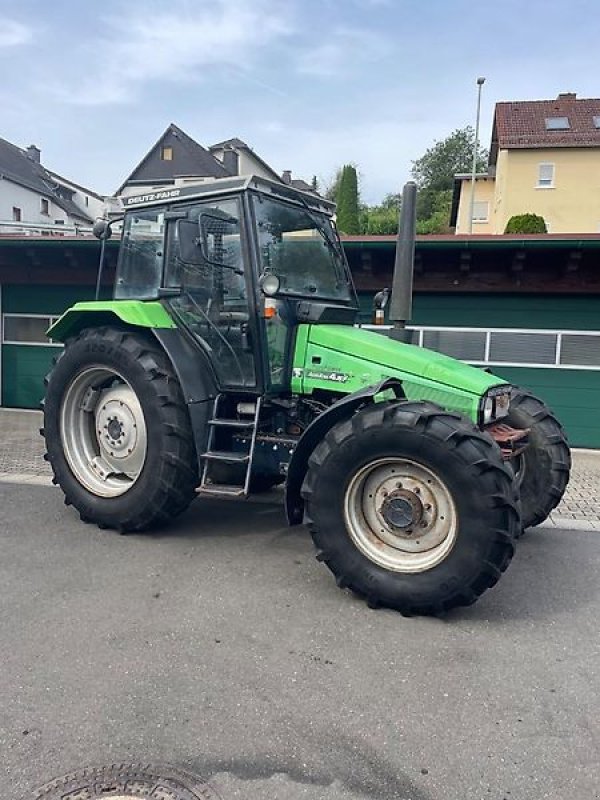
x: 166, y: 194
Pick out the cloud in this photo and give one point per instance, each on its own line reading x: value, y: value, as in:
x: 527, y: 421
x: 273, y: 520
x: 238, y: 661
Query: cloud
x: 14, y: 33
x: 344, y: 50
x: 178, y: 45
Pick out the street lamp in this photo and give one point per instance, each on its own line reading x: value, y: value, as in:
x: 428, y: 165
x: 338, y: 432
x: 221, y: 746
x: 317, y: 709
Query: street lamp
x: 480, y: 82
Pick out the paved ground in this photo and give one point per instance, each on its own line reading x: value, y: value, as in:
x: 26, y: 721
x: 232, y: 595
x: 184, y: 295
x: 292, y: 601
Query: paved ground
x: 21, y: 459
x: 223, y: 647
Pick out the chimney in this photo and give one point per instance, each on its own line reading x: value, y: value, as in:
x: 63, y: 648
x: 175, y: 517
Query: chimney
x: 567, y: 96
x: 286, y: 176
x: 231, y: 162
x: 34, y: 153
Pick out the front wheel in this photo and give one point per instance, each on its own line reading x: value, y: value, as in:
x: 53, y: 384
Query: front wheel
x: 117, y: 431
x: 411, y: 507
x: 543, y: 468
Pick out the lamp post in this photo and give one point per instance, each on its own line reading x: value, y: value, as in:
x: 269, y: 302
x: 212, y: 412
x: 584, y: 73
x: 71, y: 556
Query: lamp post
x: 480, y: 82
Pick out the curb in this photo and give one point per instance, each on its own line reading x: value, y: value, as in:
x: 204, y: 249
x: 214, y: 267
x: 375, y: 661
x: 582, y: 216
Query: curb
x: 570, y: 523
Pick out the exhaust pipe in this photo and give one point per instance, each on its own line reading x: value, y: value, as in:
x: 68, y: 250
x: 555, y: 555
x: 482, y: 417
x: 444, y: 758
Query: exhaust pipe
x: 402, y: 286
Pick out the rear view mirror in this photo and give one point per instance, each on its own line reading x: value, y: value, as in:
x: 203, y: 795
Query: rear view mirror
x: 102, y: 229
x: 189, y: 242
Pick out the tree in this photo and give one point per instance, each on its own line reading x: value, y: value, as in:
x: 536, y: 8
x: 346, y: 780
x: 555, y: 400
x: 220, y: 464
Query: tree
x: 435, y: 211
x: 436, y: 168
x: 381, y: 219
x: 347, y: 201
x: 526, y: 223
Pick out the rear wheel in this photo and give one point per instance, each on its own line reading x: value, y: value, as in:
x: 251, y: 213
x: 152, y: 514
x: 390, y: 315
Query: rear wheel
x: 543, y: 468
x: 411, y: 507
x: 117, y: 431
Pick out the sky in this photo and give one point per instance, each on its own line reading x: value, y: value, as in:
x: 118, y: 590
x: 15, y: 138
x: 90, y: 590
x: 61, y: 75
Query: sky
x: 308, y: 84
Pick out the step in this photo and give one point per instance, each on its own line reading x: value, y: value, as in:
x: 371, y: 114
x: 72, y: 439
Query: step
x: 221, y: 490
x: 231, y: 423
x: 226, y: 455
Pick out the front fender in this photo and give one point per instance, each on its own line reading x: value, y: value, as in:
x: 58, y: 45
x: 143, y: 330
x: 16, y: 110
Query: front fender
x: 316, y: 431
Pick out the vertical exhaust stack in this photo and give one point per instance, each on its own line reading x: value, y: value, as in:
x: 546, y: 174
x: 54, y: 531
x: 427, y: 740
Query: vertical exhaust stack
x: 402, y: 285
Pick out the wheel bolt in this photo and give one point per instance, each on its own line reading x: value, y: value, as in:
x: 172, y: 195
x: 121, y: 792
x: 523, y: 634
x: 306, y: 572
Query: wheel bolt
x: 398, y: 485
x: 427, y: 506
x: 417, y: 490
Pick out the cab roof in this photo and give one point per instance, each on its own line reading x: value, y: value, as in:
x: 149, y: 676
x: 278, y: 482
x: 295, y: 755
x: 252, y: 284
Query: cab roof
x: 230, y: 185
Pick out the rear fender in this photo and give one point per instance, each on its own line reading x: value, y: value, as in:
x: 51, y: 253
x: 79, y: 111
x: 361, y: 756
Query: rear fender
x: 317, y: 430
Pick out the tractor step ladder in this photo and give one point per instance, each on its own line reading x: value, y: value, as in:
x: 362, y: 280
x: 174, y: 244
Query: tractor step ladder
x: 212, y: 456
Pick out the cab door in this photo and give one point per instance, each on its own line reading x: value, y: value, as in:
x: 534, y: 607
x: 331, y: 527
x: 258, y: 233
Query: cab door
x: 206, y: 261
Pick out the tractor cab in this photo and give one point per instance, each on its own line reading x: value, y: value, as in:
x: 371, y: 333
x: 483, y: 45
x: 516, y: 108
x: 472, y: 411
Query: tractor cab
x: 239, y: 263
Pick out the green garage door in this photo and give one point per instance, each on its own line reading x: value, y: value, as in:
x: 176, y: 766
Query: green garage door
x: 27, y: 312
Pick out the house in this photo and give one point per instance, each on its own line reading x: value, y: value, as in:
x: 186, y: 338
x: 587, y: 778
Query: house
x: 176, y: 159
x: 34, y: 199
x: 544, y: 159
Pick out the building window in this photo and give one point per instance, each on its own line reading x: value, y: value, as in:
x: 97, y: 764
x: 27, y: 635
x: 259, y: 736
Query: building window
x: 545, y: 176
x: 166, y: 153
x: 26, y: 329
x: 480, y: 211
x: 45, y: 206
x: 596, y: 122
x: 557, y: 124
x: 16, y: 214
x: 87, y: 200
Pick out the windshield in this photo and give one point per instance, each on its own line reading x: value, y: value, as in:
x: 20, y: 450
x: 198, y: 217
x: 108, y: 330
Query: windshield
x: 300, y: 247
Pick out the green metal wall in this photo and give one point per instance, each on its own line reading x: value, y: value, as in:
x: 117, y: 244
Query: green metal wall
x: 574, y: 395
x: 499, y: 310
x: 24, y: 366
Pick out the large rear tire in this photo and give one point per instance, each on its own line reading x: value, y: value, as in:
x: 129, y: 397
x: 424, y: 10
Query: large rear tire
x: 545, y: 465
x: 117, y: 431
x: 411, y: 507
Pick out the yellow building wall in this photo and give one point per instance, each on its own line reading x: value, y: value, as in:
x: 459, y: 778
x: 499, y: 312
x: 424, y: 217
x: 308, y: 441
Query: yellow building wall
x: 572, y: 205
x: 484, y: 192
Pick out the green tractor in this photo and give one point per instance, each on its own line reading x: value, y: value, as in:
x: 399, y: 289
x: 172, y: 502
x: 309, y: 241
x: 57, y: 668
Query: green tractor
x: 229, y: 362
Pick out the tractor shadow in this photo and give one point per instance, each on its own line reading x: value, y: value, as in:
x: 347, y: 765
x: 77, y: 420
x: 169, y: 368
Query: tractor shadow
x: 548, y: 567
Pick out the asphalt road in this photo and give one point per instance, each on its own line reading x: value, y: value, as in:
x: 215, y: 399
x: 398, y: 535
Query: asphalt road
x: 222, y: 646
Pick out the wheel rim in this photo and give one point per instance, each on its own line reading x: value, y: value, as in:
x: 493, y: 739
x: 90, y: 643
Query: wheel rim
x: 103, y: 432
x: 400, y: 515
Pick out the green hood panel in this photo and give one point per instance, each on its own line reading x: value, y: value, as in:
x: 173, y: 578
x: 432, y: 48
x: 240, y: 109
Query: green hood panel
x: 345, y: 359
x: 137, y: 313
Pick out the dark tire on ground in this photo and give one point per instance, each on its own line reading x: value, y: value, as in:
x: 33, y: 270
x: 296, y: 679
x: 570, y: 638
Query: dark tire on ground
x: 426, y: 449
x: 547, y: 460
x: 164, y: 484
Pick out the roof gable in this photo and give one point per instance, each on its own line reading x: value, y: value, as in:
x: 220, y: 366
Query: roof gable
x: 188, y: 158
x: 523, y: 124
x: 17, y: 167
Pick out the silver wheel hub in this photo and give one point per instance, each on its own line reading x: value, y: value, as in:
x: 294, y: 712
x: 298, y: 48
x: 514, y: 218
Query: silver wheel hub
x: 400, y: 514
x: 103, y: 432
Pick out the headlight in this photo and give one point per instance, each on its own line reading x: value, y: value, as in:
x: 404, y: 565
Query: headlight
x: 494, y: 405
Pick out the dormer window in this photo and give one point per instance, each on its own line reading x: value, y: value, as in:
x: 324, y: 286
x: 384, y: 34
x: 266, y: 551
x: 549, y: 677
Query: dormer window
x: 557, y: 124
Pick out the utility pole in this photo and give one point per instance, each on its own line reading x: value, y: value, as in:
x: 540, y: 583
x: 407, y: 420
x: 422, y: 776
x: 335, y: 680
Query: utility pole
x: 480, y: 82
